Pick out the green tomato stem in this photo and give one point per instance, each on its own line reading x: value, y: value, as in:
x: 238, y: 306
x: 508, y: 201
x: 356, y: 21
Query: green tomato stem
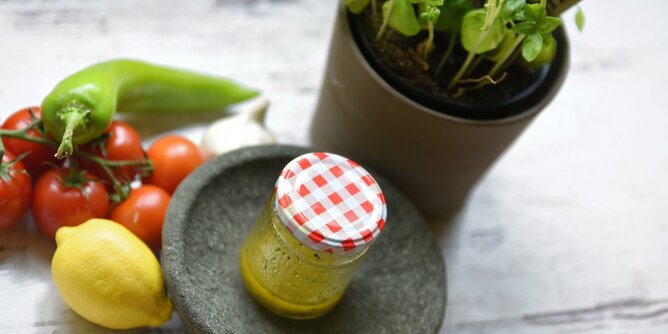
x: 2, y: 150
x: 105, y: 164
x: 118, y: 187
x: 5, y: 169
x: 122, y: 191
x: 114, y: 163
x: 22, y: 134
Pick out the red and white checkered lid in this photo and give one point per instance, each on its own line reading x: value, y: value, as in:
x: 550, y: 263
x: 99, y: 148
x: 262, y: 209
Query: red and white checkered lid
x: 330, y: 203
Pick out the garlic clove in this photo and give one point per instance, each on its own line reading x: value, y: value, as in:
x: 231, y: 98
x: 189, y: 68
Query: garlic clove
x: 246, y: 128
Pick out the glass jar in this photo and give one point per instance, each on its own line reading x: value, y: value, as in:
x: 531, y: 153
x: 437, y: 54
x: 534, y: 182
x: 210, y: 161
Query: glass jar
x: 312, y: 235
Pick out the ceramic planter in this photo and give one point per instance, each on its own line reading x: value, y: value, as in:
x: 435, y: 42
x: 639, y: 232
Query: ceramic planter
x: 434, y: 151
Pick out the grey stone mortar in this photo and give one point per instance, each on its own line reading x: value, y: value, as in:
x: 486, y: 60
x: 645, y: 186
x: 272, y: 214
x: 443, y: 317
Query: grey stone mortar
x: 399, y: 288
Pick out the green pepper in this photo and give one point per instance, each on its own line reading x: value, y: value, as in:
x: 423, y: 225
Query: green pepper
x: 81, y: 107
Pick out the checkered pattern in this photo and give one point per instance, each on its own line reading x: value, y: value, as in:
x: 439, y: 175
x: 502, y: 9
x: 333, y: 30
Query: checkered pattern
x: 330, y: 203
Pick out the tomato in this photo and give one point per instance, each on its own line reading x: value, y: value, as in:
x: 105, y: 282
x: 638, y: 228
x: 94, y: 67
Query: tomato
x: 15, y: 191
x: 39, y: 153
x: 120, y: 142
x: 63, y: 197
x: 143, y: 213
x: 173, y: 157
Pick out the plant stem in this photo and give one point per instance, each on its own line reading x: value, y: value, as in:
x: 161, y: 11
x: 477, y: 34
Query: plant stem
x: 374, y: 8
x: 74, y: 116
x: 118, y: 187
x: 462, y: 69
x: 2, y: 150
x: 430, y: 39
x: 518, y: 39
x: 446, y: 55
x: 21, y: 134
x: 114, y: 163
x: 492, y: 13
x: 474, y: 65
x: 386, y: 20
x: 105, y: 164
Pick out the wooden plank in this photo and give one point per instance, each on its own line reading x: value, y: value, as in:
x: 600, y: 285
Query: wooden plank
x: 566, y: 234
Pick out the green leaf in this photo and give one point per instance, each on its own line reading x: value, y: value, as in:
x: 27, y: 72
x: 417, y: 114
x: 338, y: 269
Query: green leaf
x: 580, y: 19
x: 531, y: 46
x: 503, y: 47
x: 549, y: 48
x: 472, y: 28
x: 428, y: 15
x: 434, y: 3
x: 547, y: 52
x: 525, y: 28
x: 534, y: 12
x: 452, y: 14
x: 548, y: 24
x: 357, y: 6
x: 402, y: 17
x: 511, y: 8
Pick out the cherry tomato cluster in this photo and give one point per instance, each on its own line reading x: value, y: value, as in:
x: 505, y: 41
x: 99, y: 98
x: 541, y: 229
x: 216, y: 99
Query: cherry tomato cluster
x: 95, y: 183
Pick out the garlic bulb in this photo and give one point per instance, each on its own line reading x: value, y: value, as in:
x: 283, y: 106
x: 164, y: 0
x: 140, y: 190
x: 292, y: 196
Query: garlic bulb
x: 245, y: 128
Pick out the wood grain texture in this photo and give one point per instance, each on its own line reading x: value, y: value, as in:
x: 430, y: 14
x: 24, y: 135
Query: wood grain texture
x: 566, y: 234
x: 278, y: 46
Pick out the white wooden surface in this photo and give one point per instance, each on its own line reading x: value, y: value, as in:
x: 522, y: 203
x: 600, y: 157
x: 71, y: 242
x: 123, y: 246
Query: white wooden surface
x: 568, y: 233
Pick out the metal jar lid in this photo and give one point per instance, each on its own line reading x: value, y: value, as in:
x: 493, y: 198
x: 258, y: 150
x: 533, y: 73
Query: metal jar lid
x: 330, y: 203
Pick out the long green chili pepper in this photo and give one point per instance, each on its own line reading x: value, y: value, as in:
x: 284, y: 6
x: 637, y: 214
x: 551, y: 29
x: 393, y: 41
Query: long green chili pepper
x: 81, y: 107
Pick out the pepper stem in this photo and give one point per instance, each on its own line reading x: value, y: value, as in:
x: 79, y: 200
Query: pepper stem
x: 122, y: 188
x: 74, y: 116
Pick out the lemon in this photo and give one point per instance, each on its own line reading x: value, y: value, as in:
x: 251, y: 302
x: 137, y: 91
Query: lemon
x: 109, y: 276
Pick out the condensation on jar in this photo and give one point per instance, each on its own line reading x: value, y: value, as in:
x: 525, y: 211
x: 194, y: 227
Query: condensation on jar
x: 313, y: 233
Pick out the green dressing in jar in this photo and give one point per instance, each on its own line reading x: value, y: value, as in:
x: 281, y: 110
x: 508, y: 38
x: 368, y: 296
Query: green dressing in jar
x: 312, y: 235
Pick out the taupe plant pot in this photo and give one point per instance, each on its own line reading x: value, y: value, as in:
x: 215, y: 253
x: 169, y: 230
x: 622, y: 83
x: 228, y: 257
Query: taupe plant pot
x: 433, y: 157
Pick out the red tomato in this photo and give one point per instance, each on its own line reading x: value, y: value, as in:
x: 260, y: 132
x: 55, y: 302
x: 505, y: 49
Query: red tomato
x: 39, y: 153
x: 63, y: 198
x: 120, y: 142
x: 173, y: 157
x: 143, y: 213
x: 15, y: 190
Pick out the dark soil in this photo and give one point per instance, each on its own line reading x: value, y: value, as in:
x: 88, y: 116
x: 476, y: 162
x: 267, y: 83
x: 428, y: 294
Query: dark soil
x: 400, y: 55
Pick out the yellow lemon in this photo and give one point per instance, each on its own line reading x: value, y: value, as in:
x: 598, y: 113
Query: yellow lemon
x: 109, y: 276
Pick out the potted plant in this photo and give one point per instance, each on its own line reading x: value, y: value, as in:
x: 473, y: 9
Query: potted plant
x: 430, y: 92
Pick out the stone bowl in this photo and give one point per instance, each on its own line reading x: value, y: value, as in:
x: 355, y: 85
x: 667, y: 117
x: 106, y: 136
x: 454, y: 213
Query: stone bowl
x: 399, y: 288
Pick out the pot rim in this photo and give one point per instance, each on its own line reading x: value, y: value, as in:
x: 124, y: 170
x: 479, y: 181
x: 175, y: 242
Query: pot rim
x: 541, y: 93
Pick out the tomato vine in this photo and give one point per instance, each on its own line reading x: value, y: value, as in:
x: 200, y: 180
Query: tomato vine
x: 121, y: 188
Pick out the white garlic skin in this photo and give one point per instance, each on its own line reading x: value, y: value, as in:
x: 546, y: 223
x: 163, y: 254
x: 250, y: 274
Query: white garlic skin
x: 239, y: 130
